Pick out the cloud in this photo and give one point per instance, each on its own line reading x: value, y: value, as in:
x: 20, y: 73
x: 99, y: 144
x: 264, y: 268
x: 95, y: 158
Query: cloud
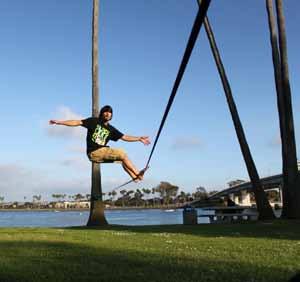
x: 183, y: 143
x: 78, y: 162
x: 12, y: 175
x: 18, y: 182
x: 77, y: 149
x: 65, y: 113
x: 276, y: 141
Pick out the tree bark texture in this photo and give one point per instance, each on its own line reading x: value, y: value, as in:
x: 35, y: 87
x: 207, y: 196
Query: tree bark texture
x: 293, y: 193
x: 280, y: 102
x: 97, y: 217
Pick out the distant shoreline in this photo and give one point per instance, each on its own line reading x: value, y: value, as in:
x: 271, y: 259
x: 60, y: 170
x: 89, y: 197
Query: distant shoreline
x: 87, y: 209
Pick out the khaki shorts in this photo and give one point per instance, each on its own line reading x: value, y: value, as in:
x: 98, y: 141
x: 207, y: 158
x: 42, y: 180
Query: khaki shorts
x: 107, y: 154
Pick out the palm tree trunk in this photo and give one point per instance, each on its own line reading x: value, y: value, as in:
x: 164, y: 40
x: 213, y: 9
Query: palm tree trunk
x: 263, y: 206
x: 293, y: 193
x: 280, y: 102
x: 97, y: 216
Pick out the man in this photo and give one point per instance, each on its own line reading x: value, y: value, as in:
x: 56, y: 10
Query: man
x: 99, y: 133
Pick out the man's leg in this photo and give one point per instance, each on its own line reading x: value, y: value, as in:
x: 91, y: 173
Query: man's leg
x: 120, y: 155
x: 131, y: 170
x: 132, y: 175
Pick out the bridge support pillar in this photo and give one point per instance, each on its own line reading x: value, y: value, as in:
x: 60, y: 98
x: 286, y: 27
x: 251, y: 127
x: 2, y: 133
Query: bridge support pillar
x: 245, y: 197
x: 236, y: 199
x: 280, y: 193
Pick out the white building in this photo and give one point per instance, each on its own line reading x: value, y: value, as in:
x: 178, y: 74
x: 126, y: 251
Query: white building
x: 72, y: 205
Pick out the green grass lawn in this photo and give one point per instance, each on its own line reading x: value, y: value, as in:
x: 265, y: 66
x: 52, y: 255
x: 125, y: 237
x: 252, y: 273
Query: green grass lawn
x: 237, y: 252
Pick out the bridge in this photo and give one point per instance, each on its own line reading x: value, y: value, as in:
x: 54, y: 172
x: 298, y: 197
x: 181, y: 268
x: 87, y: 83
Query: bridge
x: 240, y: 193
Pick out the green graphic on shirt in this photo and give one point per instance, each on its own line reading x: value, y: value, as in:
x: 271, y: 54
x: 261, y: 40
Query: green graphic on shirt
x: 100, y: 135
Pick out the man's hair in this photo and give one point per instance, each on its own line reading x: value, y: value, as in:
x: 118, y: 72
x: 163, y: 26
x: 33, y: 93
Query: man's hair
x: 106, y: 108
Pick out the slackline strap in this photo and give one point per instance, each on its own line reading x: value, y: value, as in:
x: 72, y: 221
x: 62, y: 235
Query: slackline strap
x: 187, y: 54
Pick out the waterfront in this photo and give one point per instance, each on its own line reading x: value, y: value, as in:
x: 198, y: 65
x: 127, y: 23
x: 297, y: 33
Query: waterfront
x: 79, y: 218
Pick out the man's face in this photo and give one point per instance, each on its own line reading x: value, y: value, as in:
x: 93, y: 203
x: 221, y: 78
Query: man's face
x: 107, y: 116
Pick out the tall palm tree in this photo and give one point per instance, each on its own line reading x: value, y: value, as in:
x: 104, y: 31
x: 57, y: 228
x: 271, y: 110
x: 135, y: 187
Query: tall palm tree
x: 263, y: 206
x: 280, y: 101
x: 292, y: 177
x: 97, y: 216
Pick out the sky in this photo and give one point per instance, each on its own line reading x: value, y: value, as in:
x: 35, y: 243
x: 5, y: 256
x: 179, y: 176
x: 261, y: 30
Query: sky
x: 46, y: 74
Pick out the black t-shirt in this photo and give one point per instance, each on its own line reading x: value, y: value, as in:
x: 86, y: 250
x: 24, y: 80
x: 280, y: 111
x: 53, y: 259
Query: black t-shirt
x: 99, y: 134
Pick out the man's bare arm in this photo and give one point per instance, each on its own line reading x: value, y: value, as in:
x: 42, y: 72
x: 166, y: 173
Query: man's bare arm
x: 144, y: 139
x: 66, y: 122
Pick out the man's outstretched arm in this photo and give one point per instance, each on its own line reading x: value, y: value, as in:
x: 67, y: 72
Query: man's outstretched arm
x: 144, y: 139
x: 66, y: 122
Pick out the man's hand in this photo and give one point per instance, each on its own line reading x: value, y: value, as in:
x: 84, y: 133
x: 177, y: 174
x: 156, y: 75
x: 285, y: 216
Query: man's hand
x: 52, y: 121
x: 145, y: 140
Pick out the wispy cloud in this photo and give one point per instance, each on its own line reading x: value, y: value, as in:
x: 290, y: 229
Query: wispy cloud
x: 77, y: 162
x: 18, y: 182
x: 65, y: 113
x: 77, y: 149
x: 185, y: 143
x: 275, y: 141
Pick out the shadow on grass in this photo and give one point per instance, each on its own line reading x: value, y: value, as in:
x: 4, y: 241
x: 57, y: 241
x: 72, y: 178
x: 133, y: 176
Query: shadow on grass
x: 277, y: 229
x: 63, y: 261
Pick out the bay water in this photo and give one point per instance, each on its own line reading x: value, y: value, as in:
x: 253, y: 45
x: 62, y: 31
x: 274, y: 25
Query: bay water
x: 80, y: 218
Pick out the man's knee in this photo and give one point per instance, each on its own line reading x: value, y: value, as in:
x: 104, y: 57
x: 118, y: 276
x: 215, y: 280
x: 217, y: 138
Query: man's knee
x: 122, y: 155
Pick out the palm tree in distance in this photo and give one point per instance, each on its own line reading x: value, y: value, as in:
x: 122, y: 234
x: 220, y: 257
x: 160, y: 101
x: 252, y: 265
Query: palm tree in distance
x: 263, y: 206
x: 97, y: 217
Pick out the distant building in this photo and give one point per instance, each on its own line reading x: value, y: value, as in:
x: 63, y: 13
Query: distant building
x: 235, y: 182
x: 72, y: 205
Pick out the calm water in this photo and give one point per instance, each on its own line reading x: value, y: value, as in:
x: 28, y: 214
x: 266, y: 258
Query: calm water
x: 77, y: 218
